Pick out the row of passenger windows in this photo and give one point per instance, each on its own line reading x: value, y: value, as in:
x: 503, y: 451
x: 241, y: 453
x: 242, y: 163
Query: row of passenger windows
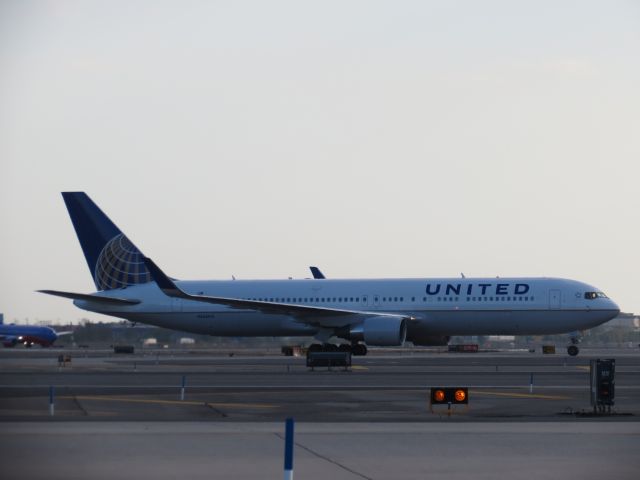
x: 487, y: 299
x: 308, y: 300
x: 383, y: 299
x: 331, y: 299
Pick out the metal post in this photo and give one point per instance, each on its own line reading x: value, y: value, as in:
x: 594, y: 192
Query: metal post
x: 531, y: 383
x: 51, y: 397
x: 184, y: 381
x: 288, y: 450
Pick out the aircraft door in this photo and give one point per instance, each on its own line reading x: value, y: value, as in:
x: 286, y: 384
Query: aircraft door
x: 554, y: 299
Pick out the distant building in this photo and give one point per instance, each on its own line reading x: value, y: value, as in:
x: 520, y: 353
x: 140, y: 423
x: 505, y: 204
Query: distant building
x: 625, y: 320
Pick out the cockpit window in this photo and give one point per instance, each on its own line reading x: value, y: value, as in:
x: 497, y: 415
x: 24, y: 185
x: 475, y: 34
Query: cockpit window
x: 594, y: 295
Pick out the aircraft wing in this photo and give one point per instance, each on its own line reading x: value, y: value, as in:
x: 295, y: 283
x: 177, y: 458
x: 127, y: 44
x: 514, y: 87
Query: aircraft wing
x: 311, y: 315
x: 60, y: 334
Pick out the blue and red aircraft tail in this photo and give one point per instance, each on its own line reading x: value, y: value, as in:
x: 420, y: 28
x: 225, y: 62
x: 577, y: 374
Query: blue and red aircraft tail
x: 113, y: 260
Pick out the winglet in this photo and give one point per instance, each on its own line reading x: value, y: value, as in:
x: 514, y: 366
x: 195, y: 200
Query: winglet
x: 164, y: 282
x: 317, y: 274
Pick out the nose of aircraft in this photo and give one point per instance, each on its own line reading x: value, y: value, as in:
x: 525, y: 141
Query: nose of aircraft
x: 614, y: 306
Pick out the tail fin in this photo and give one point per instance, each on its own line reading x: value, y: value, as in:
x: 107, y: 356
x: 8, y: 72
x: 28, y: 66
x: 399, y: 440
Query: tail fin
x: 114, y: 262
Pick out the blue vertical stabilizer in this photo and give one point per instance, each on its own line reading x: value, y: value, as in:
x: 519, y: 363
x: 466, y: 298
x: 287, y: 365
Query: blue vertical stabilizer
x: 114, y: 262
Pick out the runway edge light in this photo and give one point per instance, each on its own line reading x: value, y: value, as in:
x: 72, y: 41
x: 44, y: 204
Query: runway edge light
x: 449, y: 395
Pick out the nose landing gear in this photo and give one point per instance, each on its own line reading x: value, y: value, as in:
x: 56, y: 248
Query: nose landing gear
x: 573, y: 350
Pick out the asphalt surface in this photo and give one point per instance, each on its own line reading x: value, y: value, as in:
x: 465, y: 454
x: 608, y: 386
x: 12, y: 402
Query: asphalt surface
x: 124, y: 416
x: 383, y: 387
x: 339, y: 451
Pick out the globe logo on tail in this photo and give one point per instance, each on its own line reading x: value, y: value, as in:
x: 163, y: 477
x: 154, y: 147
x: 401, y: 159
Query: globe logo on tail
x: 120, y: 264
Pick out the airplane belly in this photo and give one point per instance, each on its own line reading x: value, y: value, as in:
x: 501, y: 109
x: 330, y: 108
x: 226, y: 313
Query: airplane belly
x: 227, y: 324
x: 510, y: 322
x: 258, y: 325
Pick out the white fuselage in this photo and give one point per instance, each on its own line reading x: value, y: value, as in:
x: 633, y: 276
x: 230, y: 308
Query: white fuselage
x: 440, y: 307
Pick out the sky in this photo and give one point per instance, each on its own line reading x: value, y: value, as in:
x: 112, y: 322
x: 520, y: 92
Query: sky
x: 373, y: 139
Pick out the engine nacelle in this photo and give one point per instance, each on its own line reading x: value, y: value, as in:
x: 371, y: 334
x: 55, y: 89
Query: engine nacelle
x: 10, y: 342
x: 430, y: 340
x: 380, y: 331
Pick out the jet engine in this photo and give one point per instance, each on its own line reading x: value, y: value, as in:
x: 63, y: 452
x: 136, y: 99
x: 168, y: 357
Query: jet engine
x: 10, y: 342
x: 380, y: 331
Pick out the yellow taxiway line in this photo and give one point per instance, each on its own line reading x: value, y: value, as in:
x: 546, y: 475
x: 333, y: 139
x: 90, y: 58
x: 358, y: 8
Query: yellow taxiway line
x: 171, y: 402
x: 520, y: 395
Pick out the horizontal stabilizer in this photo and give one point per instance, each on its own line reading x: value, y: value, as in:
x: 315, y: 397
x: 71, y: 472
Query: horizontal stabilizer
x: 91, y: 298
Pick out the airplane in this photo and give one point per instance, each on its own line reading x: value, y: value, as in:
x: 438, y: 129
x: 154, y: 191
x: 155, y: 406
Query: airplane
x: 355, y: 312
x: 28, y: 335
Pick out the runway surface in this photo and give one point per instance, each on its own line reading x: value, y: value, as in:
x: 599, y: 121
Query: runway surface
x: 123, y: 415
x: 340, y: 451
x: 389, y: 387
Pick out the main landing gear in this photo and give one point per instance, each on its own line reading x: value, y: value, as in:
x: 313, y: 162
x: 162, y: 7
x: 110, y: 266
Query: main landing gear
x: 356, y: 349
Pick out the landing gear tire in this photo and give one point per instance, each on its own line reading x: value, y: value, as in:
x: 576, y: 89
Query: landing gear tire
x: 329, y: 347
x: 572, y: 350
x: 359, y: 349
x: 315, y: 347
x: 344, y: 347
